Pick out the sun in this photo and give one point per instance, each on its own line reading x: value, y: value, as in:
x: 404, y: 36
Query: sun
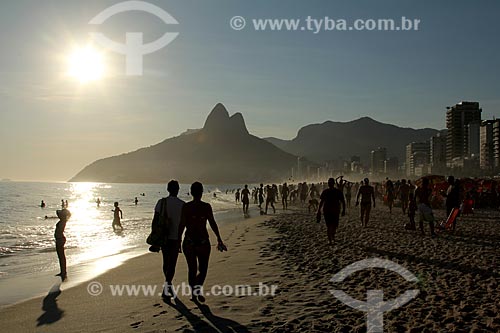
x: 86, y: 64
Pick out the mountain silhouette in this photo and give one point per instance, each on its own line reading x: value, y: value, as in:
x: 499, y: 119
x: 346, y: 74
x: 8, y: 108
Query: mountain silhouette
x: 334, y: 140
x: 223, y: 151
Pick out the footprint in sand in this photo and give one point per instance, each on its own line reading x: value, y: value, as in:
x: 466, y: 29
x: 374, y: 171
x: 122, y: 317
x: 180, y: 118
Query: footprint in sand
x: 159, y: 314
x: 137, y: 324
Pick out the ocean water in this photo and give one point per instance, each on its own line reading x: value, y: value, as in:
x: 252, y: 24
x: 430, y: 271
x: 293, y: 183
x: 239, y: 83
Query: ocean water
x: 28, y: 260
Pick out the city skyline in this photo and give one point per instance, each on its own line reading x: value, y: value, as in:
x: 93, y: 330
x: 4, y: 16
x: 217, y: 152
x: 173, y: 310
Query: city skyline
x: 280, y: 80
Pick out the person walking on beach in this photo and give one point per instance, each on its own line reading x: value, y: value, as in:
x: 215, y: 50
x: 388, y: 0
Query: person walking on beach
x: 270, y: 198
x: 367, y: 194
x: 452, y: 195
x: 171, y: 208
x: 63, y: 216
x: 330, y: 201
x: 237, y: 196
x: 423, y: 196
x: 261, y: 196
x: 284, y: 196
x: 348, y: 193
x: 412, y: 209
x: 404, y: 192
x: 389, y: 192
x: 196, y: 244
x: 245, y: 199
x: 304, y: 191
x: 118, y: 215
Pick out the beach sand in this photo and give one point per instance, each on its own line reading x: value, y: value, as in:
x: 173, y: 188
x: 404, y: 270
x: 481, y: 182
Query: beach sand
x: 458, y: 278
x: 75, y: 310
x: 458, y: 274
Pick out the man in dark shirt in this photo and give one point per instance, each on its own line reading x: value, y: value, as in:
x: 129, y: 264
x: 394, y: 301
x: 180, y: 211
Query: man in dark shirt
x: 331, y: 199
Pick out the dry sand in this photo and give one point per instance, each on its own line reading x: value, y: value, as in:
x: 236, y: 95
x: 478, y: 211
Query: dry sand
x: 458, y: 274
x: 458, y: 282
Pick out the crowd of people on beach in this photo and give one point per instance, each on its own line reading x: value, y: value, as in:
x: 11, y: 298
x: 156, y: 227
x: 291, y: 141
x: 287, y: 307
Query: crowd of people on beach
x: 329, y: 200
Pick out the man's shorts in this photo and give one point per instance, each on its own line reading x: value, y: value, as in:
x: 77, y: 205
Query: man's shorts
x: 332, y: 219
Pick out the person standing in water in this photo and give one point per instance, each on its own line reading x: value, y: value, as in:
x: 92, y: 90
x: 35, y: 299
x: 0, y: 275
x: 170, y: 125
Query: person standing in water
x: 136, y: 201
x: 245, y: 199
x: 63, y: 216
x: 196, y: 244
x: 42, y: 204
x: 118, y: 215
x: 98, y: 202
x: 367, y: 194
x: 330, y: 201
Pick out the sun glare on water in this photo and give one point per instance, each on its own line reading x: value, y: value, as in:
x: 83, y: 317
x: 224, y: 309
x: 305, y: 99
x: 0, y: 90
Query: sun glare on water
x: 86, y: 64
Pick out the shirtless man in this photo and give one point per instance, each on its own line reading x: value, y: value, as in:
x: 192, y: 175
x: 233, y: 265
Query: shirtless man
x: 331, y: 200
x: 367, y: 194
x: 245, y: 199
x: 270, y: 198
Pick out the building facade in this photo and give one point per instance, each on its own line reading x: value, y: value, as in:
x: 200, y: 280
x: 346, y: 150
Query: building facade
x: 458, y: 143
x: 378, y: 158
x: 417, y: 158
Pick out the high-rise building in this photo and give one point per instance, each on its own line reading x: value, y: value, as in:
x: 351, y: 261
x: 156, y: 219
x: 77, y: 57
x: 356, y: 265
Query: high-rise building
x: 391, y: 166
x: 458, y: 117
x: 486, y: 155
x: 417, y: 157
x: 496, y: 144
x: 438, y: 151
x: 378, y: 157
x: 473, y: 139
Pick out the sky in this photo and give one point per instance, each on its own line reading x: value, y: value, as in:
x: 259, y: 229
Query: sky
x: 53, y: 125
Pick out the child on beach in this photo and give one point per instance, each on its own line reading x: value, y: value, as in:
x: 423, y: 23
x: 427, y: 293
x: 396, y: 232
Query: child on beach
x: 118, y: 215
x: 63, y: 216
x: 412, y: 210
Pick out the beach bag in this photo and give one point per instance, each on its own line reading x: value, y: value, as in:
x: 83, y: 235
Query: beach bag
x: 159, y: 226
